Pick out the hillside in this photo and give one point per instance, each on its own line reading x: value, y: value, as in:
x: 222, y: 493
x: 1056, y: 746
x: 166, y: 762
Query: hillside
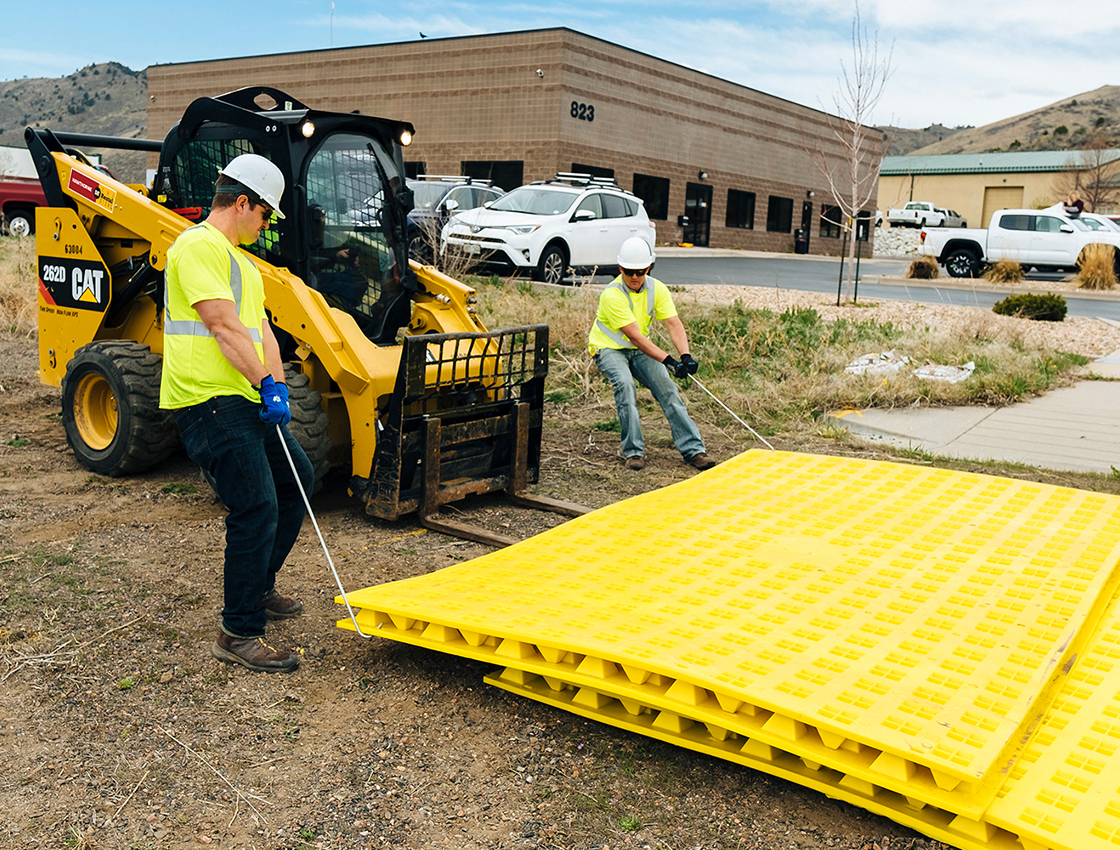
x: 904, y: 141
x: 1065, y: 125
x: 107, y: 99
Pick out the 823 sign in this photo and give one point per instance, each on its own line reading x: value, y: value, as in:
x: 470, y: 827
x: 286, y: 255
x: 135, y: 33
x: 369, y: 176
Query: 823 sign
x: 583, y: 111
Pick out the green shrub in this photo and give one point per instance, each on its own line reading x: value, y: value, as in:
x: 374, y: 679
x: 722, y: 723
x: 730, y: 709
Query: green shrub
x: 1042, y: 308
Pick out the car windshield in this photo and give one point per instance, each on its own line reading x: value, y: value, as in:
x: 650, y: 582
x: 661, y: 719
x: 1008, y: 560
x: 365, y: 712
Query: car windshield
x: 535, y: 201
x: 426, y: 195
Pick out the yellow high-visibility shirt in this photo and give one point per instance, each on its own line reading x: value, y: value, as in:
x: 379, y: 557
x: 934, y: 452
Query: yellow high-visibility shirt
x: 202, y: 265
x: 620, y: 306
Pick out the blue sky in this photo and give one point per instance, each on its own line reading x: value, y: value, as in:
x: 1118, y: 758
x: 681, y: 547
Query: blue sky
x: 955, y: 61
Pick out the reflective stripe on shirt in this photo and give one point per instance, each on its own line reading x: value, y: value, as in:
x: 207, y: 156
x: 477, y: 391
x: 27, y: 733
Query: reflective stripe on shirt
x: 618, y: 337
x: 185, y: 327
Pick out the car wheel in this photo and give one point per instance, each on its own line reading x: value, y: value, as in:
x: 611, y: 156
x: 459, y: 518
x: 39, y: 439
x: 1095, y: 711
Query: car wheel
x: 921, y: 224
x: 553, y: 264
x: 19, y: 224
x: 110, y: 408
x: 962, y: 263
x: 420, y: 250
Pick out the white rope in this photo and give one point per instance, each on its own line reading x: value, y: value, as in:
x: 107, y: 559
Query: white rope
x: 729, y: 410
x: 307, y: 504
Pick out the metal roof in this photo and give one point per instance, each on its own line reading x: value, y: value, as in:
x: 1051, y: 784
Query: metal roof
x: 989, y: 163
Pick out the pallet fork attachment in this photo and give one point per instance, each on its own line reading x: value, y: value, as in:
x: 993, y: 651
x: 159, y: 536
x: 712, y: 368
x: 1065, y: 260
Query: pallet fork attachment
x: 465, y: 418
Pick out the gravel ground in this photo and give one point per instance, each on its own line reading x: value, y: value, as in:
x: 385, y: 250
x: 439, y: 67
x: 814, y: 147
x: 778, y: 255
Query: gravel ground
x: 1078, y: 335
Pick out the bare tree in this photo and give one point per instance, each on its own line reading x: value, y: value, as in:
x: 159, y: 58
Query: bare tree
x: 1093, y: 173
x: 853, y: 178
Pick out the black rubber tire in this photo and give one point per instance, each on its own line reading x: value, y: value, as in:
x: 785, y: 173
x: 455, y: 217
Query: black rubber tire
x: 21, y: 224
x: 309, y: 423
x: 553, y: 265
x: 961, y: 262
x: 110, y: 408
x: 420, y: 250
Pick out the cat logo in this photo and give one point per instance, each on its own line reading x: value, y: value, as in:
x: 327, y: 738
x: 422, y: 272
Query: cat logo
x: 81, y: 284
x: 85, y: 285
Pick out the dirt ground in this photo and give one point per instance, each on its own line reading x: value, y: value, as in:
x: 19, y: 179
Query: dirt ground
x: 119, y: 730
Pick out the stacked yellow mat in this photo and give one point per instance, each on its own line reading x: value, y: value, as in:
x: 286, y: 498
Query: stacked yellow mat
x: 938, y: 647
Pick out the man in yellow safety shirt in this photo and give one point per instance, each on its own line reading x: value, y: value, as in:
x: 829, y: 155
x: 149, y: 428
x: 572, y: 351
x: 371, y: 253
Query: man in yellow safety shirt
x: 620, y: 343
x: 223, y: 380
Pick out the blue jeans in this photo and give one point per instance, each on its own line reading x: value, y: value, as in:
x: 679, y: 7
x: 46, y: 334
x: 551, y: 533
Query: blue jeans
x: 226, y: 437
x: 622, y: 366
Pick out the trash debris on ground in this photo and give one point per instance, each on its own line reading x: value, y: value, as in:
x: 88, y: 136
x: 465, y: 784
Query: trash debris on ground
x: 952, y: 374
x: 883, y: 363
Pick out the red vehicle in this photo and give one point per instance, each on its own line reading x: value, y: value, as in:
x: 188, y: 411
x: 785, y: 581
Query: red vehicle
x: 18, y: 199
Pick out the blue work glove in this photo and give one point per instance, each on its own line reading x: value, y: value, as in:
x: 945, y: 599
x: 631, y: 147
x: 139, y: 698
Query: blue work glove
x: 678, y: 369
x: 689, y: 364
x: 274, y: 402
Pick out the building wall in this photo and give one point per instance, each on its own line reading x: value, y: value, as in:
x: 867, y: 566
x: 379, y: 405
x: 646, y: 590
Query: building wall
x: 965, y: 193
x: 481, y: 98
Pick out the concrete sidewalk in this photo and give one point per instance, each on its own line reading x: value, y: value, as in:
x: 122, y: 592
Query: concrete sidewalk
x: 1074, y: 428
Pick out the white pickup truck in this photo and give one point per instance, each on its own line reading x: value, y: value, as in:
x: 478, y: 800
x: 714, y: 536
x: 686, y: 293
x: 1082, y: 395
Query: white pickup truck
x: 924, y: 214
x: 1044, y: 239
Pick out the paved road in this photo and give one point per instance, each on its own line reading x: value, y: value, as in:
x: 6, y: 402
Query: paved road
x: 814, y: 274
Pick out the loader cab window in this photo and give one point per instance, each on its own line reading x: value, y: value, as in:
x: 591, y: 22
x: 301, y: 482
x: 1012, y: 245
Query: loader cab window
x: 193, y: 172
x: 353, y: 262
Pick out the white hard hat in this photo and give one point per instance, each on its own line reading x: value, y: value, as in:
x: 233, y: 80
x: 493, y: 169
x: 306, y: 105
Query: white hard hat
x: 635, y: 253
x: 255, y: 172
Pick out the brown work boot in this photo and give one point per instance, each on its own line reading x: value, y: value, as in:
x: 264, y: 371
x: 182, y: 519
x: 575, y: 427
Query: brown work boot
x: 701, y: 461
x: 277, y: 607
x: 635, y: 462
x: 253, y: 653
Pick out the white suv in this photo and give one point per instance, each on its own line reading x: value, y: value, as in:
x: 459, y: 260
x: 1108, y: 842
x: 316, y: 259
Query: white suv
x: 575, y: 221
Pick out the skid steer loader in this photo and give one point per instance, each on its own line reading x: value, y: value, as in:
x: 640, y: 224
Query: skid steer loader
x: 391, y: 371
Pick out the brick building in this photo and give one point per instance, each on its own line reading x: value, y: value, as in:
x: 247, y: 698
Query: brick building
x: 717, y: 163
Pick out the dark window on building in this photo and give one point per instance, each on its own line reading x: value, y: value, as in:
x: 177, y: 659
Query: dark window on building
x: 830, y: 221
x: 655, y: 192
x: 507, y: 174
x: 412, y: 170
x: 740, y: 209
x: 779, y: 215
x: 593, y: 170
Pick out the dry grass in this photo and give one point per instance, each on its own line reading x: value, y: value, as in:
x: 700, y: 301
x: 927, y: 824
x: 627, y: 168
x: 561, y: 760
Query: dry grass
x: 1097, y: 267
x: 18, y: 279
x: 923, y: 268
x: 1005, y: 271
x: 781, y: 369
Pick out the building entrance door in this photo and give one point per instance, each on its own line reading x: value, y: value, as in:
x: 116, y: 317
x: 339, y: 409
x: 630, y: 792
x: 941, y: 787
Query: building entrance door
x: 698, y: 214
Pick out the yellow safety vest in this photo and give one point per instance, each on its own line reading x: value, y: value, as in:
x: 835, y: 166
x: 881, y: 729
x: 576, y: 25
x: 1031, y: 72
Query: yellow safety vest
x: 202, y: 265
x: 643, y: 305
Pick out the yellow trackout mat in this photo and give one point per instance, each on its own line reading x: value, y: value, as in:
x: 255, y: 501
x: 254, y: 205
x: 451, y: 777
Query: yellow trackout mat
x: 901, y: 627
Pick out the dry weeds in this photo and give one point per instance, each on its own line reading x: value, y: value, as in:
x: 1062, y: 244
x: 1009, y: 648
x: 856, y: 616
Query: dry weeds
x: 923, y: 268
x: 1005, y: 271
x: 1097, y: 267
x: 17, y: 286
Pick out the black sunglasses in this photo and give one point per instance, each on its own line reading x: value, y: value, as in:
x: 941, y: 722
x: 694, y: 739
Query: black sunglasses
x: 634, y: 272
